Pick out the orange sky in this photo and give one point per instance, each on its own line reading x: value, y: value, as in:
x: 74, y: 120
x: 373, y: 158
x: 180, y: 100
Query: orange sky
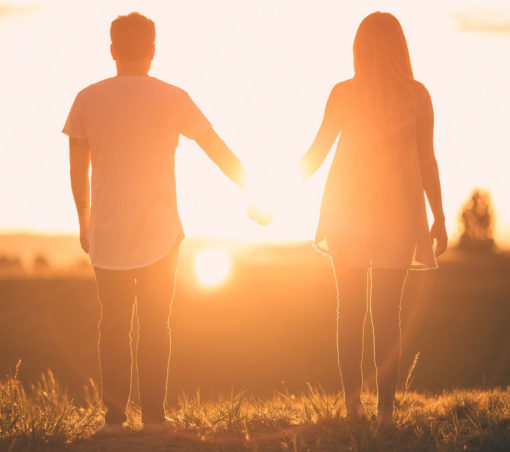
x: 261, y: 71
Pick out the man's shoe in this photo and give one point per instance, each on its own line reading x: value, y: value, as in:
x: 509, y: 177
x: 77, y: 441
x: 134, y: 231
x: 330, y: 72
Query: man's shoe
x: 109, y: 430
x: 166, y: 426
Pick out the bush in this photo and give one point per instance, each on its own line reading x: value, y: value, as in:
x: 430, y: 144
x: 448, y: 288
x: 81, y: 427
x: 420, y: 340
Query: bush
x: 477, y: 220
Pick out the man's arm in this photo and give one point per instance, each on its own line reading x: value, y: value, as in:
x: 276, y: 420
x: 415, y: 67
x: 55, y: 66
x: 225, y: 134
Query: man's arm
x: 79, y: 157
x: 223, y: 157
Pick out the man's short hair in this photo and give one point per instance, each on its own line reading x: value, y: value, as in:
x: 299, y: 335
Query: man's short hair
x: 133, y: 36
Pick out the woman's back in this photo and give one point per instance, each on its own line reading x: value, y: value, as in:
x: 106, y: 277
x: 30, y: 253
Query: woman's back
x: 373, y: 199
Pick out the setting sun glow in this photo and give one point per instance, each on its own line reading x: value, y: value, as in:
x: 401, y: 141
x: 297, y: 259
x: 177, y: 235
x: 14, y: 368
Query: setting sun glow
x: 265, y: 97
x: 212, y: 266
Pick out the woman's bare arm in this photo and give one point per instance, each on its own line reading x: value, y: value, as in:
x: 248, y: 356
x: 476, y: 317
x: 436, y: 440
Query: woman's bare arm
x: 326, y: 136
x: 430, y: 173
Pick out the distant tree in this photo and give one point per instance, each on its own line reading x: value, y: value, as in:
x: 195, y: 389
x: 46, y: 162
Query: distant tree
x: 477, y: 221
x: 11, y: 265
x: 41, y: 263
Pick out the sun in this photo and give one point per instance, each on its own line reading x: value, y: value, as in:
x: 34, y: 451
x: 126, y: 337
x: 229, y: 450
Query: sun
x: 212, y: 266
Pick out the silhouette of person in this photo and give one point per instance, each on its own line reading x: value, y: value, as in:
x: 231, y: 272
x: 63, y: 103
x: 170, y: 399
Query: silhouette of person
x: 127, y: 128
x: 373, y: 221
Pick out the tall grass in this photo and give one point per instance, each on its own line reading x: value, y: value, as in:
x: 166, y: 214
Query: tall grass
x: 45, y: 416
x: 46, y: 413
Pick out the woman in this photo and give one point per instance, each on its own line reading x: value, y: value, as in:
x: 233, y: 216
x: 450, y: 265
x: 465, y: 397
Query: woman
x: 373, y: 220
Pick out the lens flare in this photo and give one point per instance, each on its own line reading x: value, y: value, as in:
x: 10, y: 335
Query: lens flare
x: 212, y: 266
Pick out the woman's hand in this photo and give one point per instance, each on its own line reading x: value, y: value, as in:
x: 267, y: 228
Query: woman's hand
x: 440, y: 236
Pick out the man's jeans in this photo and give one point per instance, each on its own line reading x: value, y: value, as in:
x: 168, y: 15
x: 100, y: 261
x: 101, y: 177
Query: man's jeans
x: 153, y: 287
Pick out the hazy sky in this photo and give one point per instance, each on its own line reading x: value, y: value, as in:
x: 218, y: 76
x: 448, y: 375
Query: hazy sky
x: 261, y: 71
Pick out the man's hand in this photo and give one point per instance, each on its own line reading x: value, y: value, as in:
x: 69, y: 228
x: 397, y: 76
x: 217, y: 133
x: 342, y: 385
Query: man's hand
x: 84, y: 239
x: 440, y: 236
x: 84, y: 219
x: 261, y: 216
x: 261, y: 197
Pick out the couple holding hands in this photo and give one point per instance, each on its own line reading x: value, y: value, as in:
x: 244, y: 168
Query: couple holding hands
x: 373, y: 220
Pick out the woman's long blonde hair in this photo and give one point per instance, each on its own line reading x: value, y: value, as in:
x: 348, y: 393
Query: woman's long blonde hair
x: 382, y: 66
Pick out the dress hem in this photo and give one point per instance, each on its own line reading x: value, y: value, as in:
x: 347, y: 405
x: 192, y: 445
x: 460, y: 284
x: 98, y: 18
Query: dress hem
x: 418, y: 267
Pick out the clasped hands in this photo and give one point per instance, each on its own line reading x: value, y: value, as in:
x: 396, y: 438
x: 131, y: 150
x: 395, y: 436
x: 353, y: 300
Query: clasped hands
x: 268, y: 194
x: 261, y: 206
x: 262, y: 215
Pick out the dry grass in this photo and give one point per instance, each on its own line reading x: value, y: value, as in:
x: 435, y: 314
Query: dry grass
x: 45, y: 418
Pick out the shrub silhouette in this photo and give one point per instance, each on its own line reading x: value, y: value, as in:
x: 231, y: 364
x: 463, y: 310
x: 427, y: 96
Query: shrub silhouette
x: 41, y: 263
x: 477, y: 220
x: 11, y: 265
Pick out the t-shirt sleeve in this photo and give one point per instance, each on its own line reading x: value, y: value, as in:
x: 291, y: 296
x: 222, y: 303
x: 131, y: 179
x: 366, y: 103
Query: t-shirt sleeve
x: 74, y: 123
x: 193, y: 122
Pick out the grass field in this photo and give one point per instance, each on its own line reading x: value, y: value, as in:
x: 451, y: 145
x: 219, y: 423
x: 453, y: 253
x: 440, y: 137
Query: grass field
x: 46, y: 418
x: 266, y: 331
x: 270, y: 326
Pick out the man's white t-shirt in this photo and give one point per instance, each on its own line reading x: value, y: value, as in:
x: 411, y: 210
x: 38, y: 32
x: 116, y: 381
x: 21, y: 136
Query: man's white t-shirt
x: 132, y: 125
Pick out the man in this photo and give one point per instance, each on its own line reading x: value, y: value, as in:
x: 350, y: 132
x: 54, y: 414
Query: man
x: 127, y: 127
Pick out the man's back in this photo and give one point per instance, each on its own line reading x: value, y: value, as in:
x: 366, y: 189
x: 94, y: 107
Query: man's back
x: 132, y: 126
